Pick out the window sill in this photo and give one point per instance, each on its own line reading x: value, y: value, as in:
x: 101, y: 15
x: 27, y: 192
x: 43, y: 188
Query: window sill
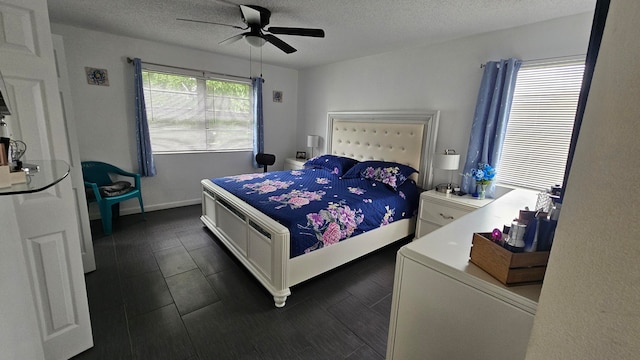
x: 199, y: 152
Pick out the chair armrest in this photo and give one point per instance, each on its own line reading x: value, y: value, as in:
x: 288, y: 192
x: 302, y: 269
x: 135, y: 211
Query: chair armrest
x: 137, y: 177
x: 125, y: 173
x: 94, y: 187
x: 130, y: 174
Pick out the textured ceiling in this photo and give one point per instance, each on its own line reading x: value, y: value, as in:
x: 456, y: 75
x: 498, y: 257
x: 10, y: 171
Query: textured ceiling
x: 354, y: 28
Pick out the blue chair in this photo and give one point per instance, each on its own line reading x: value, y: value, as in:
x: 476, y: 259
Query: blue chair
x: 108, y: 194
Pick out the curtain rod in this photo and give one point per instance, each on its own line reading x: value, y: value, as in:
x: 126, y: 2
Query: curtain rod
x: 130, y: 61
x: 568, y: 57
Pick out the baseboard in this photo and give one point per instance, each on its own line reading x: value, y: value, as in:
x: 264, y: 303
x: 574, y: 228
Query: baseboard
x: 94, y: 213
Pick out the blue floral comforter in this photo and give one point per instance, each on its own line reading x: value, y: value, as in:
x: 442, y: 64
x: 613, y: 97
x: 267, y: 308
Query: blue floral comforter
x: 320, y: 208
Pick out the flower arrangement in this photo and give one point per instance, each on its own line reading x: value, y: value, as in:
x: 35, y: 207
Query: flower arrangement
x: 484, y: 174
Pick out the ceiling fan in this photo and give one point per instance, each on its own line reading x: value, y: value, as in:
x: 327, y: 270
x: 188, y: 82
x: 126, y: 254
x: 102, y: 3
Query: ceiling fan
x: 257, y: 18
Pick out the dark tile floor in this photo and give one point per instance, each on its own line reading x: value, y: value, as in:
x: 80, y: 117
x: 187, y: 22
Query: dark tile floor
x: 165, y: 288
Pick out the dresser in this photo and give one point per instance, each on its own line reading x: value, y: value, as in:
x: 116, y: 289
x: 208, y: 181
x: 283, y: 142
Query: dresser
x: 438, y: 209
x: 444, y: 307
x: 294, y: 164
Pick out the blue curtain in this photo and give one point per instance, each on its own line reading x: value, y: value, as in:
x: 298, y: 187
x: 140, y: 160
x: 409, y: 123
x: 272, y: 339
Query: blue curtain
x: 258, y: 120
x: 146, y: 165
x: 490, y: 119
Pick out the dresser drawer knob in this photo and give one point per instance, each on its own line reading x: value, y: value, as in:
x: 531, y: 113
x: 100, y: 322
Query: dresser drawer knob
x: 448, y: 217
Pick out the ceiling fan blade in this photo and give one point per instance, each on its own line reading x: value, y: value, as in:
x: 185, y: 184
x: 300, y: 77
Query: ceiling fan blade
x: 296, y: 31
x: 214, y: 23
x: 232, y: 39
x: 228, y: 3
x: 253, y: 16
x: 279, y: 43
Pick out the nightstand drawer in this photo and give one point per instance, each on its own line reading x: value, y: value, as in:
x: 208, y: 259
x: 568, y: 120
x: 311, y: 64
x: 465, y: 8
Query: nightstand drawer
x: 440, y: 214
x: 424, y: 227
x: 437, y: 209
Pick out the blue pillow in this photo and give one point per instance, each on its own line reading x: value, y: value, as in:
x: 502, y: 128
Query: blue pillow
x: 336, y: 164
x: 389, y: 173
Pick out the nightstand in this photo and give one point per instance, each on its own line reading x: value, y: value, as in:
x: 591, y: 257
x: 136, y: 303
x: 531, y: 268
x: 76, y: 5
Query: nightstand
x: 438, y: 209
x: 294, y: 164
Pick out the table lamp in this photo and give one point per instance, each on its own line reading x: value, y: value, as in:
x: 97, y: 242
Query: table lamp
x: 450, y: 161
x: 313, y: 141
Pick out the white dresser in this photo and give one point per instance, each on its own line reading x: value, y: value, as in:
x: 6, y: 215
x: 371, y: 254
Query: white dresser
x: 294, y: 164
x: 445, y: 307
x: 438, y: 209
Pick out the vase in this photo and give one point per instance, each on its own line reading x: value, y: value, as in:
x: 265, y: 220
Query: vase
x: 481, y: 189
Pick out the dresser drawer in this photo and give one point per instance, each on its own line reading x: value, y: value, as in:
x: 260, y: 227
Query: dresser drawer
x: 440, y: 214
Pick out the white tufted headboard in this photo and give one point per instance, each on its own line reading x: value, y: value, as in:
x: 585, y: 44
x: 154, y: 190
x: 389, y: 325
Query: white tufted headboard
x: 406, y: 138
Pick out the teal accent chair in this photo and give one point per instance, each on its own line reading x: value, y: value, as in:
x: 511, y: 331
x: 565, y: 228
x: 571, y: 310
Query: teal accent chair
x: 108, y: 194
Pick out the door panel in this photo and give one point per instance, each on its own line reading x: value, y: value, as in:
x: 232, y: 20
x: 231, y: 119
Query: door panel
x: 77, y: 182
x: 46, y: 242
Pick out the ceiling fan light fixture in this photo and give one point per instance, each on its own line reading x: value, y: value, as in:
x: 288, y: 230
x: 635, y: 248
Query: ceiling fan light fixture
x: 255, y: 41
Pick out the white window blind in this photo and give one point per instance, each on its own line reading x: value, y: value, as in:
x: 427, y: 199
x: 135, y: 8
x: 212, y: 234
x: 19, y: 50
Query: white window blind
x: 540, y: 124
x: 191, y: 113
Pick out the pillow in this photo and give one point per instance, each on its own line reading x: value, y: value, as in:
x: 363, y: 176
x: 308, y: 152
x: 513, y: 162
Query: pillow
x: 336, y: 164
x: 389, y: 173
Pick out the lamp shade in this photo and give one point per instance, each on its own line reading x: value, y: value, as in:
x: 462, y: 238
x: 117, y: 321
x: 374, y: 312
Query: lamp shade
x: 313, y: 141
x: 447, y: 161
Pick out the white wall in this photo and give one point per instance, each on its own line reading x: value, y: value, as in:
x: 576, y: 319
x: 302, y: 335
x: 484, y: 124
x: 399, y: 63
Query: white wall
x: 106, y: 121
x: 441, y: 77
x: 589, y: 302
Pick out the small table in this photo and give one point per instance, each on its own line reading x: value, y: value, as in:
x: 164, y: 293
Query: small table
x: 49, y: 173
x: 294, y: 164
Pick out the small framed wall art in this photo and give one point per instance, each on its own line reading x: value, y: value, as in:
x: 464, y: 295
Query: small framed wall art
x: 277, y: 96
x: 97, y: 76
x: 301, y: 155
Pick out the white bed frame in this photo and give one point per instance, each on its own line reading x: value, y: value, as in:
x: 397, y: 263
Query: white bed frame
x: 262, y: 244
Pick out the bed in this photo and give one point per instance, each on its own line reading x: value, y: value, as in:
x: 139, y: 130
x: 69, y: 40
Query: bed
x: 262, y: 244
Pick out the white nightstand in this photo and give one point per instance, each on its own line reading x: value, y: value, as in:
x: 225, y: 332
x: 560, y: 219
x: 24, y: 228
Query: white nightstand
x: 438, y: 209
x: 294, y: 164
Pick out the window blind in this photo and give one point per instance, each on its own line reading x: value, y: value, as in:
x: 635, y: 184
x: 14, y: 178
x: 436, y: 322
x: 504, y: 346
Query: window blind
x: 540, y: 124
x: 188, y: 112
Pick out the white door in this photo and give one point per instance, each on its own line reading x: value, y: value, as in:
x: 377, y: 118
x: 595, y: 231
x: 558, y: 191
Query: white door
x: 44, y: 243
x: 77, y: 182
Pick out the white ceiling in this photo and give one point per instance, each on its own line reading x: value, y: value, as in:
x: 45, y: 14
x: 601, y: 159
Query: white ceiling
x: 354, y: 28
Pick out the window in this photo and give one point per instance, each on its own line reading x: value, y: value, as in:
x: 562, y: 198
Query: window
x: 540, y: 124
x: 188, y: 113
